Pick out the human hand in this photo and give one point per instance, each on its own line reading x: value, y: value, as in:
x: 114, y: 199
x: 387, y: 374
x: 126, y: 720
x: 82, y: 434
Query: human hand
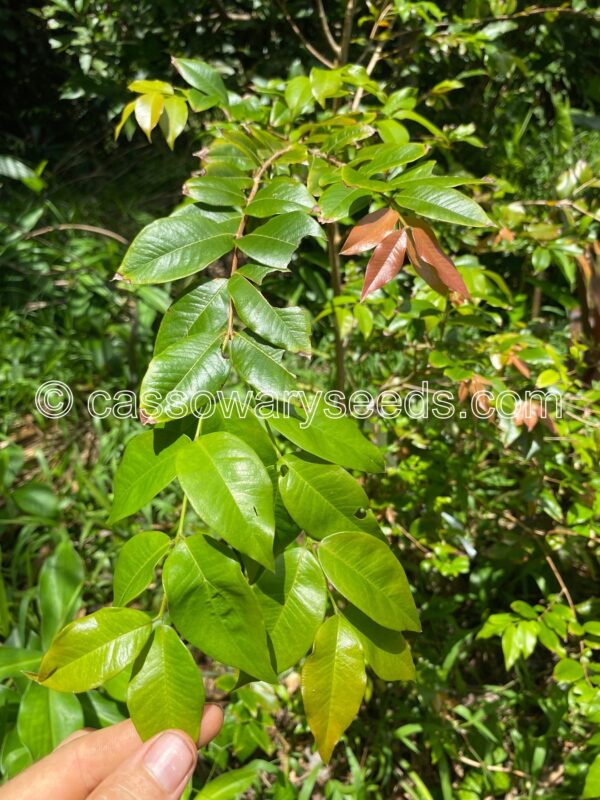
x: 114, y: 764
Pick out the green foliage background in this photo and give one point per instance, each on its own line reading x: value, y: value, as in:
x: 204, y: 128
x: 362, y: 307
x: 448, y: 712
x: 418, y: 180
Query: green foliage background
x: 497, y: 526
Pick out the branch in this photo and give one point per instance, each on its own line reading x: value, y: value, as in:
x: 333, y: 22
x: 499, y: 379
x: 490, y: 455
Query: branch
x: 326, y: 29
x: 312, y: 50
x: 347, y: 33
x: 73, y: 227
x: 375, y: 56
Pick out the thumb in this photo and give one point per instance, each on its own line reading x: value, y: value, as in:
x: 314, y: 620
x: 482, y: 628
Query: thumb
x: 160, y: 770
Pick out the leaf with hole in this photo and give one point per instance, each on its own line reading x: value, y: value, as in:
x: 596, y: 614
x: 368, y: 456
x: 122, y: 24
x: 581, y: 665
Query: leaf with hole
x: 323, y: 498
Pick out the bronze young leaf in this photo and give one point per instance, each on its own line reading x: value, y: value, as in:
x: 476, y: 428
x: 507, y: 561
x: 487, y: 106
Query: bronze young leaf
x: 385, y: 263
x: 370, y: 231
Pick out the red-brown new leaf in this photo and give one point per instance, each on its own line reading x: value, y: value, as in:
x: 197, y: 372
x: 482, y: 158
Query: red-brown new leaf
x: 426, y: 252
x: 385, y: 262
x: 369, y: 231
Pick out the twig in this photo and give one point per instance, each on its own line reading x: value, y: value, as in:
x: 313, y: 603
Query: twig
x: 75, y: 227
x: 470, y: 762
x: 312, y: 50
x: 375, y: 55
x: 240, y: 231
x: 336, y: 285
x: 326, y: 29
x: 347, y: 32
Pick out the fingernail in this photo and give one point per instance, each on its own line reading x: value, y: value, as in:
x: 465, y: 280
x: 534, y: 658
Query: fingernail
x: 169, y: 760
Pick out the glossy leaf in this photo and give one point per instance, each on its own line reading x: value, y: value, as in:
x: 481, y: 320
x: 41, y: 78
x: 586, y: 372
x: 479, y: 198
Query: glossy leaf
x: 213, y: 606
x: 423, y: 249
x: 370, y: 231
x: 323, y: 498
x: 46, y: 718
x: 261, y: 367
x: 203, y: 310
x: 293, y: 601
x: 386, y: 651
x: 280, y: 196
x: 230, y: 489
x: 61, y: 584
x: 367, y: 573
x: 125, y: 114
x: 385, y: 263
x: 136, y: 564
x: 176, y: 111
x: 334, y: 438
x: 202, y: 76
x: 174, y: 247
x: 148, y: 108
x: 338, y: 201
x: 92, y: 649
x: 333, y: 683
x: 217, y: 191
x: 143, y: 472
x: 385, y: 157
x: 14, y: 661
x: 177, y: 377
x: 167, y: 692
x: 446, y: 205
x: 275, y: 242
x: 285, y: 327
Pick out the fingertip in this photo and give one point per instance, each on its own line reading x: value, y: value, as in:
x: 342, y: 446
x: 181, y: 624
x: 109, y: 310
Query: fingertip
x: 212, y: 722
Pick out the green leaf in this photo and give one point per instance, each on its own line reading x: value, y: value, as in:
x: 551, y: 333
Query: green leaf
x: 217, y: 191
x: 148, y: 108
x: 177, y: 114
x: 446, y: 205
x: 386, y: 651
x: 325, y: 83
x: 144, y: 471
x: 298, y: 94
x: 230, y: 489
x: 213, y: 606
x: 145, y: 87
x: 46, y: 718
x: 16, y: 660
x: 323, y: 498
x: 333, y: 438
x: 167, y: 692
x: 92, y: 649
x: 293, y: 601
x: 125, y: 114
x: 203, y: 310
x: 202, y: 76
x: 385, y: 157
x: 179, y: 379
x: 255, y: 272
x: 333, y: 683
x: 285, y: 327
x: 235, y: 416
x: 591, y: 789
x: 274, y: 242
x: 367, y: 573
x: 260, y: 366
x: 280, y: 196
x: 234, y: 782
x: 61, y: 582
x: 338, y: 201
x: 136, y: 564
x: 174, y: 247
x: 568, y: 671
